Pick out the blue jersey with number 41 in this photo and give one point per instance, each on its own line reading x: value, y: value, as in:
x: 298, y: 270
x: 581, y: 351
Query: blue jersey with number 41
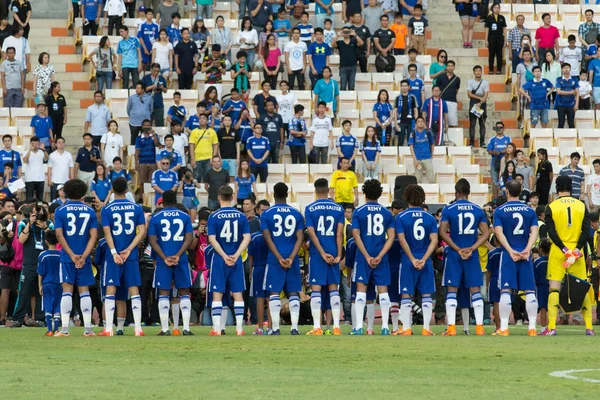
x: 123, y: 217
x: 229, y: 226
x: 282, y: 222
x: 372, y: 220
x: 76, y: 220
x: 170, y: 227
x: 464, y: 218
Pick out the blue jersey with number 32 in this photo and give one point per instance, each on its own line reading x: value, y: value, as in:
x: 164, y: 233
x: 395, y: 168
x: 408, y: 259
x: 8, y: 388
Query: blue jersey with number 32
x: 372, y: 220
x: 324, y: 216
x: 464, y: 218
x: 282, y: 222
x: 228, y: 225
x: 170, y: 227
x: 123, y: 217
x: 516, y: 220
x: 416, y: 225
x: 75, y: 219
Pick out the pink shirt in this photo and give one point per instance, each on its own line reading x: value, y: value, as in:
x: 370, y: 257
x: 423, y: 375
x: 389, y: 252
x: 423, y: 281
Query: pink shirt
x: 272, y: 57
x: 546, y: 37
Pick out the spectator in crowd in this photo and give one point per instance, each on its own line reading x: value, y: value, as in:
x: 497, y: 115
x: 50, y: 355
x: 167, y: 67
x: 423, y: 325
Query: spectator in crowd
x: 585, y: 90
x: 371, y: 153
x: 91, y: 10
x: 575, y: 172
x: 174, y: 30
x: 360, y: 32
x: 34, y: 173
x: 97, y: 118
x: 13, y: 80
x: 295, y: 51
x: 111, y: 144
x: 416, y: 84
x: 324, y: 10
x: 318, y: 57
x: 507, y: 175
x: 327, y: 90
x: 21, y: 47
x: 343, y: 185
x: 467, y: 12
x: 164, y: 179
x: 216, y: 177
x: 156, y: 85
x: 229, y: 146
x: 129, y: 57
x: 526, y: 44
x: 60, y: 167
x: 247, y: 39
x: 234, y: 106
x: 6, y: 180
x: 417, y: 30
x: 588, y: 30
x: 537, y: 92
x: 169, y: 152
x: 7, y: 154
x: 307, y: 34
x: 551, y: 70
x: 106, y: 64
x: 449, y: 84
x: 524, y: 169
x: 193, y: 121
x: 260, y: 99
x: 260, y: 12
x: 139, y: 108
x: 244, y: 125
x: 384, y: 38
x: 350, y: 8
x: 271, y: 60
x: 241, y: 72
x: 5, y: 31
x: 180, y: 141
x: 511, y: 155
x: 177, y: 111
x: 573, y: 56
x: 421, y: 144
x: 272, y: 129
x: 21, y: 12
x: 525, y: 74
x: 43, y: 76
x: 115, y: 11
x: 495, y: 25
x: 201, y: 36
x: 147, y: 34
x: 347, y: 145
x: 164, y: 12
x: 382, y: 112
x: 222, y: 36
x: 593, y: 187
x: 204, y: 143
x: 87, y: 158
x: 439, y: 67
x: 285, y: 105
x: 186, y: 60
x: 348, y: 45
x: 567, y: 97
x: 101, y: 186
x: 297, y: 135
x: 281, y: 29
x: 296, y: 9
x: 130, y: 7
x: 544, y: 176
x: 372, y: 16
x: 57, y: 106
x: 406, y: 110
x: 214, y: 66
x: 321, y: 138
x: 478, y: 91
x: 145, y: 154
x: 187, y: 187
x: 497, y: 149
x: 594, y: 79
x: 258, y: 148
x: 435, y: 112
x: 41, y: 126
x: 514, y: 41
x: 400, y: 32
x: 204, y: 8
x: 546, y: 38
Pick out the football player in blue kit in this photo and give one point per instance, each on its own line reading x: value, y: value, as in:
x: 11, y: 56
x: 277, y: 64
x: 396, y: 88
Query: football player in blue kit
x: 229, y: 235
x: 459, y: 227
x: 371, y: 294
x: 48, y: 271
x: 394, y: 258
x: 170, y: 234
x: 283, y: 230
x: 325, y: 225
x: 257, y: 258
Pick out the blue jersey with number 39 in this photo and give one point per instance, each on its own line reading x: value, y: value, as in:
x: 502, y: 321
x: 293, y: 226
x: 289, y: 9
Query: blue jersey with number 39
x: 170, y: 227
x: 464, y: 218
x: 416, y: 225
x: 372, y: 220
x: 123, y: 217
x: 76, y: 220
x: 282, y: 222
x: 324, y: 216
x: 516, y: 220
x: 228, y: 225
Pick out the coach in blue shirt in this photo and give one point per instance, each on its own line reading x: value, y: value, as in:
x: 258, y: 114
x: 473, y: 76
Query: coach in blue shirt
x: 421, y: 145
x: 567, y: 97
x: 537, y: 92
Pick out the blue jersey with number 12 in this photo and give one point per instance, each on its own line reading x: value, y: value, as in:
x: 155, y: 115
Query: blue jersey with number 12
x: 416, y: 225
x: 372, y: 220
x: 228, y: 225
x: 516, y: 220
x: 282, y: 222
x: 170, y: 227
x: 324, y: 216
x: 76, y: 220
x: 123, y: 217
x: 464, y: 218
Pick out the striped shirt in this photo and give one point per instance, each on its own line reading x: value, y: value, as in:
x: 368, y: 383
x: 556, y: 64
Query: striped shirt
x: 577, y: 177
x: 585, y: 28
x: 515, y: 35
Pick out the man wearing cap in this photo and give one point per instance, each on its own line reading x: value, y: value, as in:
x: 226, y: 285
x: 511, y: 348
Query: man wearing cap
x: 214, y: 67
x: 41, y: 125
x: 156, y: 85
x: 186, y: 60
x: 97, y: 118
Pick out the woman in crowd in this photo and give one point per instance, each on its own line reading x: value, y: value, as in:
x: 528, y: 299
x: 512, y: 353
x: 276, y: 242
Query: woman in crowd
x: 551, y: 70
x: 264, y: 35
x: 245, y: 183
x: 439, y: 67
x: 201, y: 36
x: 511, y: 155
x: 382, y: 112
x: 61, y: 197
x: 43, y: 76
x: 111, y: 144
x: 105, y: 65
x: 468, y: 10
x: 57, y: 109
x: 495, y: 24
x: 327, y: 89
x: 101, y: 186
x: 543, y: 175
x: 371, y: 152
x: 526, y: 44
x: 508, y: 175
x: 162, y: 53
x: 221, y: 35
x: 211, y: 98
x: 21, y: 11
x: 272, y: 60
x: 248, y: 40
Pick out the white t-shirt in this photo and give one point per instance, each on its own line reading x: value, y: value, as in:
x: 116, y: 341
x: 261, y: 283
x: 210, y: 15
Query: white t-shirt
x: 321, y: 128
x: 594, y: 184
x: 180, y: 143
x: 573, y: 57
x: 12, y: 41
x: 34, y: 167
x: 162, y: 54
x: 297, y: 54
x: 113, y: 144
x: 60, y: 164
x: 115, y: 8
x: 286, y: 106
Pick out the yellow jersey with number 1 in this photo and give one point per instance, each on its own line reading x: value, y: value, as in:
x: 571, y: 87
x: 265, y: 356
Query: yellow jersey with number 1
x: 568, y: 215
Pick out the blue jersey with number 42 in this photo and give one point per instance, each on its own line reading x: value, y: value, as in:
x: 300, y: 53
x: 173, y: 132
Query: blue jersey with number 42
x: 416, y: 225
x: 516, y: 220
x: 228, y: 225
x: 282, y: 222
x: 123, y: 217
x: 324, y: 216
x: 464, y: 218
x: 170, y: 227
x: 372, y: 220
x: 76, y: 220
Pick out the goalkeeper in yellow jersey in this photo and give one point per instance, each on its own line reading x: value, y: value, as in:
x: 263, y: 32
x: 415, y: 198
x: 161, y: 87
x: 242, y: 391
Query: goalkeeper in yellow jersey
x: 568, y: 224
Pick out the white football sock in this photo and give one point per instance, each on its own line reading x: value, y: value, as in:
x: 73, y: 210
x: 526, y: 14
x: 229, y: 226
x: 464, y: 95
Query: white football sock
x: 275, y: 310
x: 370, y: 315
x: 120, y: 323
x: 216, y: 313
x: 405, y: 313
x: 224, y: 316
x: 66, y: 305
x: 427, y: 307
x: 464, y: 312
x: 294, y: 310
x: 360, y: 302
x: 505, y: 309
x: 136, y: 310
x: 384, y: 305
x: 478, y: 305
x: 353, y: 315
x: 315, y: 308
x: 85, y: 303
x: 163, y: 312
x: 334, y: 299
x: 238, y: 308
x: 175, y: 314
x: 186, y: 311
x: 451, y: 305
x: 532, y: 308
x: 395, y: 315
x: 109, y: 310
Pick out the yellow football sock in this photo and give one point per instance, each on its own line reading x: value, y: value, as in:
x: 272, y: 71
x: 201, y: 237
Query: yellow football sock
x: 586, y: 312
x: 552, y: 309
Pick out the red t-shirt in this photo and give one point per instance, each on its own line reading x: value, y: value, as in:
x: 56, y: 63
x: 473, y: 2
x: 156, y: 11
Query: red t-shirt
x: 546, y: 36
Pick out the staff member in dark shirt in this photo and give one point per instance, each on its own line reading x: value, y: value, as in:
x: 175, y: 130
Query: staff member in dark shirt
x: 260, y: 13
x: 57, y: 109
x: 229, y: 146
x: 5, y: 29
x: 449, y: 84
x: 347, y: 44
x: 495, y: 24
x: 365, y: 35
x: 87, y: 158
x: 384, y: 38
x: 186, y: 60
x: 21, y: 10
x: 272, y: 124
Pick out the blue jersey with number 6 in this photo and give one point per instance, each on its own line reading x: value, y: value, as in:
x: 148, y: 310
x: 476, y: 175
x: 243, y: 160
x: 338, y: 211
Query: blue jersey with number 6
x: 372, y: 220
x: 416, y: 225
x: 228, y: 225
x: 464, y: 218
x: 324, y: 216
x: 76, y: 220
x: 282, y: 222
x: 123, y: 217
x: 516, y: 220
x: 170, y: 227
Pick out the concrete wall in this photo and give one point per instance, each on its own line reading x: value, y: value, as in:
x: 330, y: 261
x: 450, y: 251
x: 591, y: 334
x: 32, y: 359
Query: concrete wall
x: 50, y: 9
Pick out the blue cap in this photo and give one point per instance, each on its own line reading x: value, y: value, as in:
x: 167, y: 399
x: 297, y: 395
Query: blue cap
x: 142, y: 8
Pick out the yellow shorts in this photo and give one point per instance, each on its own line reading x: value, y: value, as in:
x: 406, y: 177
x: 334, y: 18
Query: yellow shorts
x: 556, y: 271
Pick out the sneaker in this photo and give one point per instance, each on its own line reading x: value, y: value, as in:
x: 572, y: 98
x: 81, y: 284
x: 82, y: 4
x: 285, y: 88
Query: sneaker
x: 405, y: 332
x: 479, y: 331
x: 164, y: 333
x: 451, y: 331
x: 258, y: 331
x: 327, y: 332
x: 120, y: 332
x: 49, y: 333
x: 370, y: 332
x: 590, y: 332
x: 385, y: 332
x: 214, y: 333
x: 139, y: 333
x: 548, y: 332
x: 487, y: 321
x: 315, y: 332
x: 427, y: 332
x: 31, y: 323
x: 106, y: 333
x: 62, y: 334
x: 466, y: 332
x: 294, y: 332
x: 357, y: 332
x: 519, y: 322
x: 223, y: 333
x: 532, y: 332
x: 337, y: 332
x: 176, y: 332
x: 275, y: 332
x: 237, y: 333
x: 88, y: 333
x: 187, y: 333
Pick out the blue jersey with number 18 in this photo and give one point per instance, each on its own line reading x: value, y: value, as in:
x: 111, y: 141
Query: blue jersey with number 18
x: 516, y: 220
x: 228, y: 225
x: 76, y: 220
x: 464, y: 218
x: 416, y: 225
x: 170, y: 227
x: 324, y: 216
x: 282, y: 222
x: 372, y: 220
x: 123, y: 217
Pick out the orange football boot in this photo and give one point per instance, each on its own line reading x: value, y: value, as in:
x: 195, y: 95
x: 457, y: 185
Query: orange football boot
x: 214, y: 333
x: 105, y: 333
x: 479, y: 331
x: 337, y: 332
x: 315, y: 332
x: 532, y: 332
x: 49, y: 333
x: 427, y: 332
x: 176, y: 332
x: 140, y: 333
x: 451, y: 331
x: 405, y: 332
x: 240, y: 333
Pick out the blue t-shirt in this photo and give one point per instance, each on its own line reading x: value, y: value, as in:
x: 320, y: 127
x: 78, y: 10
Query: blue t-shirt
x: 174, y: 34
x: 516, y: 219
x: 539, y: 93
x: 229, y: 226
x: 258, y: 147
x: 566, y: 100
x: 158, y: 95
x: 346, y: 144
x: 114, y: 174
x: 238, y: 107
x: 384, y: 111
x: 464, y: 218
x: 189, y: 189
x: 327, y: 92
x: 498, y: 144
x: 259, y: 250
x: 410, y: 3
x: 173, y: 155
x: 76, y: 220
x: 217, y: 122
x: 540, y: 268
x: 10, y: 156
x: 372, y: 220
x: 321, y: 10
x: 370, y: 149
x: 325, y: 217
x: 148, y: 32
x: 49, y: 266
x: 594, y: 65
x: 91, y: 9
x: 416, y: 225
x: 123, y: 217
x: 102, y: 187
x: 244, y: 186
x: 245, y: 132
x: 193, y: 122
x: 350, y: 252
x: 422, y: 142
x: 319, y: 53
x: 147, y: 149
x: 170, y: 227
x: 297, y: 124
x: 416, y: 87
x: 128, y: 50
x: 164, y: 180
x: 174, y: 117
x: 282, y: 23
x: 283, y: 222
x: 42, y: 126
x: 305, y: 32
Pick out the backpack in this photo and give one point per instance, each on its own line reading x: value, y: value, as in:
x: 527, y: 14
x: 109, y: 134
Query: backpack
x: 385, y: 64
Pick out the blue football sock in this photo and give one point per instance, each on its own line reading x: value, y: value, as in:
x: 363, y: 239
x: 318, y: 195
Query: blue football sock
x: 49, y: 322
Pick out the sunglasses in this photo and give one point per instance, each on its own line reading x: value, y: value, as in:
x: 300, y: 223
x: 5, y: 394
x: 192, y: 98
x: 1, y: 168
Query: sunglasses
x: 164, y: 163
x: 443, y: 56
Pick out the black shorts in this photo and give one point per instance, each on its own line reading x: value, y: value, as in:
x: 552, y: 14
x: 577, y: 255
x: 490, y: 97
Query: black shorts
x: 9, y: 278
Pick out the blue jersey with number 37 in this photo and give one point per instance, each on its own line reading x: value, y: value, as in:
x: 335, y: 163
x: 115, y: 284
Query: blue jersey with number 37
x: 464, y: 218
x: 416, y: 225
x: 228, y: 225
x: 372, y: 220
x: 282, y: 222
x: 170, y: 227
x: 123, y: 217
x: 324, y: 216
x: 75, y: 219
x: 516, y: 220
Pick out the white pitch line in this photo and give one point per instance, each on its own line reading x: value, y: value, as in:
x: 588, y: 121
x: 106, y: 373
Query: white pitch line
x: 568, y: 375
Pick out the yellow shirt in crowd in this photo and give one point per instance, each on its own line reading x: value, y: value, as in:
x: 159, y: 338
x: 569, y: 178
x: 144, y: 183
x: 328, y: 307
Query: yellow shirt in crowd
x: 343, y: 183
x: 203, y: 145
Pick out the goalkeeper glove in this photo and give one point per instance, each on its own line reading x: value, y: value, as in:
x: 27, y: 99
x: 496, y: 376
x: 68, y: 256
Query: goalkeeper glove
x: 571, y: 256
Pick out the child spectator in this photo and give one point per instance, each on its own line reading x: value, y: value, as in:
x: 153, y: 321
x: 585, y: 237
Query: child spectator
x: 41, y: 125
x: 174, y: 30
x: 297, y: 137
x: 585, y: 91
x: 282, y: 26
x: 401, y: 32
x: 328, y: 32
x: 48, y: 271
x: 540, y: 267
x: 147, y: 34
x: 371, y: 152
x: 177, y: 111
x: 417, y: 27
x: 347, y: 145
x: 234, y: 106
x: 169, y: 153
x: 215, y: 117
x: 306, y: 29
x: 7, y: 179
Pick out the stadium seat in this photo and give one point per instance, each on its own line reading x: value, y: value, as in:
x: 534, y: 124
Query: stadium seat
x: 432, y: 192
x: 5, y: 116
x: 297, y: 173
x: 389, y: 155
x: 565, y: 154
x: 363, y: 82
x: 541, y: 138
x: 367, y: 99
x: 320, y: 171
x: 276, y: 173
x: 224, y: 9
x: 589, y: 138
x: 480, y: 194
x: 440, y: 156
x: 460, y: 155
x: 506, y: 10
x: 470, y: 172
x: 303, y: 193
x: 261, y: 191
x: 348, y: 99
x: 585, y: 119
x: 445, y: 173
x: 565, y: 138
x: 401, y: 60
x: 456, y: 136
x: 305, y: 98
x: 383, y: 81
x: 189, y: 98
x: 17, y: 139
x: 447, y: 192
x: 21, y: 117
x: 551, y: 9
x: 391, y: 171
x: 405, y: 157
x: 117, y: 98
x: 553, y: 154
x: 349, y: 114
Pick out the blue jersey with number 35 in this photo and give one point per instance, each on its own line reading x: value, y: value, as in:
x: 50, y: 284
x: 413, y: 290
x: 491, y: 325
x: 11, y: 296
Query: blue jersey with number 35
x: 516, y: 220
x: 324, y: 216
x: 416, y: 225
x: 75, y: 219
x: 282, y: 222
x: 464, y: 218
x: 372, y: 220
x: 170, y: 227
x: 228, y: 225
x: 123, y: 217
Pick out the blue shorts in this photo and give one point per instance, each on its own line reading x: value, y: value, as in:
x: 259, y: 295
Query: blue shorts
x: 325, y: 299
x: 258, y: 280
x: 121, y: 295
x: 463, y: 297
x: 493, y: 290
x: 515, y: 275
x: 371, y: 293
x: 209, y: 299
x: 127, y: 275
x: 51, y: 298
x: 412, y: 278
x: 146, y: 59
x: 322, y: 274
x: 222, y: 278
x: 77, y: 276
x: 180, y: 274
x: 538, y: 114
x: 278, y: 279
x: 394, y: 287
x: 542, y: 296
x: 458, y: 271
x: 379, y: 276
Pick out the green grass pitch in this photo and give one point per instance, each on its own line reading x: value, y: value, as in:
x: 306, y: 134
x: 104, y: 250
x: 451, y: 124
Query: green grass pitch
x: 250, y: 367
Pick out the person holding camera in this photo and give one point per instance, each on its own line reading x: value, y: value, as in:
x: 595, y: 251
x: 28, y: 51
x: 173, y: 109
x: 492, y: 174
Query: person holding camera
x: 156, y: 85
x: 31, y: 234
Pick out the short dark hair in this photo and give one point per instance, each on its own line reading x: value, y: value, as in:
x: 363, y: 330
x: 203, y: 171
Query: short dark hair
x: 9, y: 164
x: 50, y: 237
x: 225, y: 193
x: 477, y: 67
x: 576, y: 154
x: 117, y: 159
x: 124, y: 27
x: 544, y: 15
x: 372, y: 189
x: 41, y: 57
x: 7, y: 136
x: 169, y: 136
x: 463, y: 187
x: 514, y: 188
x: 37, y: 139
x: 321, y: 186
x: 563, y: 184
x: 169, y: 198
x: 280, y: 191
x: 298, y: 108
x: 536, y: 68
x: 451, y: 62
x: 119, y: 185
x: 318, y: 30
x: 596, y: 161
